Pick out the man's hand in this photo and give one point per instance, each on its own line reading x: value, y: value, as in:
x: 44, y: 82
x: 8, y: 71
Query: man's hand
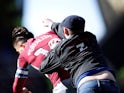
x: 25, y: 90
x: 47, y: 22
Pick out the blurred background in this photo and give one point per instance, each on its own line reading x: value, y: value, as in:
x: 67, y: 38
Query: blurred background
x: 104, y: 18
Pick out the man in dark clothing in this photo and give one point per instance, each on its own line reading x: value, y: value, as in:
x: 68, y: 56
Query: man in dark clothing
x: 80, y: 54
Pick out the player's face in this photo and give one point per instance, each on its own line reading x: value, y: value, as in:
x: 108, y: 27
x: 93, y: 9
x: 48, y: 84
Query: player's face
x: 19, y: 47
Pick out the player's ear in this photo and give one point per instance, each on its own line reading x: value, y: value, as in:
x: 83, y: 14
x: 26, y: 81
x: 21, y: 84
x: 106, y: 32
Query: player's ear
x: 21, y: 44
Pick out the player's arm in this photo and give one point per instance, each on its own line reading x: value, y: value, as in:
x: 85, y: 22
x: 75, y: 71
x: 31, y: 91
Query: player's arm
x: 20, y: 79
x: 21, y: 76
x: 25, y: 90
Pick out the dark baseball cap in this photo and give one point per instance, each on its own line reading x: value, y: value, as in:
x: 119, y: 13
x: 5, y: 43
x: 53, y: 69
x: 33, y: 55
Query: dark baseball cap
x: 74, y: 22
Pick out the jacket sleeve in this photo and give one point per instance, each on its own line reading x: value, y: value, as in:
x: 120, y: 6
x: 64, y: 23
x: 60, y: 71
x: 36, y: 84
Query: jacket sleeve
x: 58, y: 30
x: 55, y: 58
x: 50, y: 63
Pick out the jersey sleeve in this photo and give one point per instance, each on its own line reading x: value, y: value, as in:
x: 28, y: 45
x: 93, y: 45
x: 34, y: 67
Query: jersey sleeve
x: 21, y: 75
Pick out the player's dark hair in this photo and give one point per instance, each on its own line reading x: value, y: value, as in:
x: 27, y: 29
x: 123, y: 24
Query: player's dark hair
x: 21, y: 34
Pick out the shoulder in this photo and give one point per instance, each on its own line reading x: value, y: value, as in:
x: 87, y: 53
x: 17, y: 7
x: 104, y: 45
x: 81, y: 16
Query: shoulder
x: 90, y: 34
x: 51, y: 32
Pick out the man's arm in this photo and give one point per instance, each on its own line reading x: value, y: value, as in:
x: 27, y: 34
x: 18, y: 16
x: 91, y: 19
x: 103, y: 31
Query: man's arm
x: 54, y: 26
x: 51, y: 62
x: 58, y: 30
x: 55, y: 58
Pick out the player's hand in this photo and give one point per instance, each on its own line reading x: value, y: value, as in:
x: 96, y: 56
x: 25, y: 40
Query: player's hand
x: 25, y: 90
x: 47, y: 22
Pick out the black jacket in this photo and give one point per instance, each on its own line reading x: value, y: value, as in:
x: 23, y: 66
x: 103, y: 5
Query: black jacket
x: 77, y: 55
